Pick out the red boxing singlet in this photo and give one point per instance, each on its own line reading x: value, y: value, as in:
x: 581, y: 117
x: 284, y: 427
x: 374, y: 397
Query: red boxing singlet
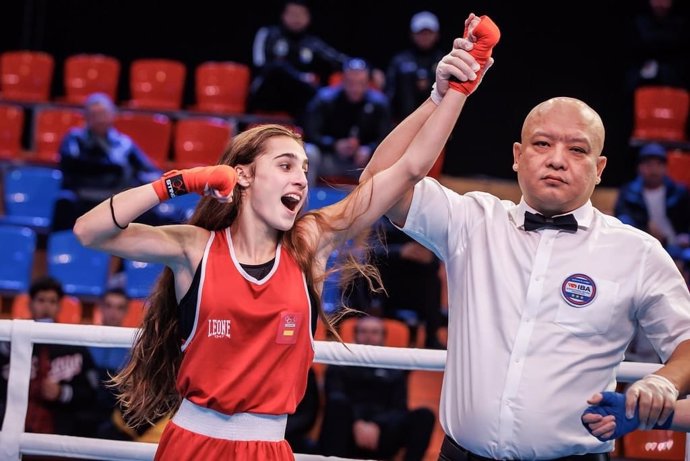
x: 251, y: 346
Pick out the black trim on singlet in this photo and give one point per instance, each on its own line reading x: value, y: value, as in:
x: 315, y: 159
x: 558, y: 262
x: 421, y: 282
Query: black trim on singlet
x: 187, y: 306
x: 186, y: 309
x: 259, y: 271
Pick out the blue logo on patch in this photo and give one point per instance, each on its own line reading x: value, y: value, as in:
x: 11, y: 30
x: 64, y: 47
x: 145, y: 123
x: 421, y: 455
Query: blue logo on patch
x: 578, y: 290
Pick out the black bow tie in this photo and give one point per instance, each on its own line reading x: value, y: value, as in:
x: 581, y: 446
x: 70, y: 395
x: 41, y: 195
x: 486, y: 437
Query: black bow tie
x: 538, y: 221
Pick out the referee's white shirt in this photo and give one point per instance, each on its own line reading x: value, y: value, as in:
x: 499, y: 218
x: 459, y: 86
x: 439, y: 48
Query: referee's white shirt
x: 522, y: 361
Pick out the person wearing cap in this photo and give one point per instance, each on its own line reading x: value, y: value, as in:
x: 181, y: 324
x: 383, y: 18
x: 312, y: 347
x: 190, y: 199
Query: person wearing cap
x: 410, y: 73
x: 655, y: 203
x: 344, y: 123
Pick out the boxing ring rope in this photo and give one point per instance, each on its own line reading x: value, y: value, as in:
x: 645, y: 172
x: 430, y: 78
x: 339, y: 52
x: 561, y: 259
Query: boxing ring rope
x: 23, y: 333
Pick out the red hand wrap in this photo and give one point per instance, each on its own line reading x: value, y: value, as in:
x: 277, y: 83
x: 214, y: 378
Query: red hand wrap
x: 487, y: 34
x: 179, y: 182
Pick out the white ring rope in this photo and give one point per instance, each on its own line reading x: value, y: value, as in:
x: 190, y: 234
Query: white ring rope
x: 23, y: 333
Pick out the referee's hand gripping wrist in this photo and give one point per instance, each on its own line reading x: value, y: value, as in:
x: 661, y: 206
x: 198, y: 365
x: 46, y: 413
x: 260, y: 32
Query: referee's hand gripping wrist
x: 612, y: 404
x: 654, y: 396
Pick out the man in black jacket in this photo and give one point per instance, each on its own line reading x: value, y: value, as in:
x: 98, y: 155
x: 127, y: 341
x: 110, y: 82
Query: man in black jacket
x: 345, y: 123
x: 411, y: 72
x: 366, y: 408
x: 290, y: 64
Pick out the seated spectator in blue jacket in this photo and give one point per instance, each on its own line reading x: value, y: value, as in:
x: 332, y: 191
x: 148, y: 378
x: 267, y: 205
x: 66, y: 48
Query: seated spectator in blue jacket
x: 345, y: 123
x: 63, y: 381
x: 290, y: 64
x: 655, y: 203
x: 98, y: 161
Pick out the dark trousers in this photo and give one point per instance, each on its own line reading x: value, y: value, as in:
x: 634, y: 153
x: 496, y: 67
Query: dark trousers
x: 410, y: 430
x: 451, y: 451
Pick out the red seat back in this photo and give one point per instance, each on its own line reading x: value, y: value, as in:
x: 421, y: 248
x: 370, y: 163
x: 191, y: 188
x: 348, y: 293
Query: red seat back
x: 11, y: 128
x: 90, y: 73
x: 26, y: 75
x: 222, y: 87
x: 200, y: 141
x: 157, y: 84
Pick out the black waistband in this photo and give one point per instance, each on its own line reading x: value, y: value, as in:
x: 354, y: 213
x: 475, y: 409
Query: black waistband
x: 451, y: 451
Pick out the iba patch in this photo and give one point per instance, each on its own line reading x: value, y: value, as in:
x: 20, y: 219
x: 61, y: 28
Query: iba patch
x: 578, y: 290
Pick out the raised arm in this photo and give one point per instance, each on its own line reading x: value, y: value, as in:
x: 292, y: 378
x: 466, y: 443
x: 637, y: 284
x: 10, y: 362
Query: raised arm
x: 108, y: 226
x: 409, y: 152
x: 463, y: 68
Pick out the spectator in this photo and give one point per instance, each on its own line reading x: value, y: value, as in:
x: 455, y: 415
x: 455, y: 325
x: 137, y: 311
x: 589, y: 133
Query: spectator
x: 366, y: 408
x: 344, y: 124
x: 98, y: 161
x: 63, y: 381
x: 290, y: 64
x: 108, y: 360
x: 411, y: 72
x: 659, y: 45
x: 413, y: 288
x: 656, y: 204
x: 105, y: 416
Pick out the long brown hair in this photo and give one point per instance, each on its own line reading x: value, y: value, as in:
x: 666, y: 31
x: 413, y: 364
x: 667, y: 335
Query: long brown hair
x: 146, y: 386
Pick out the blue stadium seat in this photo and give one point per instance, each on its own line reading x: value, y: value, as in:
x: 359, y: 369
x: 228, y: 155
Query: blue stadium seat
x: 180, y: 208
x: 321, y: 196
x: 82, y: 271
x: 30, y: 195
x: 17, y: 249
x: 140, y: 277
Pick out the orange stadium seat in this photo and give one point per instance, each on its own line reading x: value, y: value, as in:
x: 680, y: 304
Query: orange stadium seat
x: 90, y: 73
x: 151, y: 132
x: 51, y: 125
x: 660, y: 113
x: 156, y: 84
x: 26, y: 75
x: 424, y: 390
x: 222, y: 87
x: 200, y: 141
x: 70, y: 309
x: 11, y: 128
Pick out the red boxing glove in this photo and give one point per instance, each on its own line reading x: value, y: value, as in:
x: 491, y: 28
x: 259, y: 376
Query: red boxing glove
x: 199, y: 179
x: 487, y: 35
